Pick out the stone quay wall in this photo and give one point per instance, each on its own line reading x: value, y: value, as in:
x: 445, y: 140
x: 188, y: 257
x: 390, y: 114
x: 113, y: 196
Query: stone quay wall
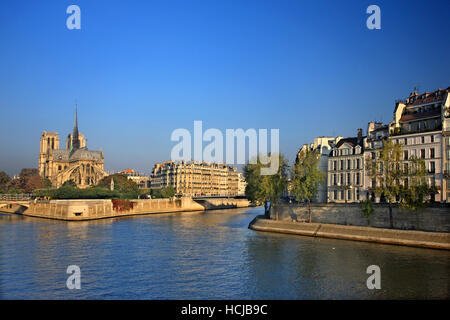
x: 223, y: 203
x: 435, y: 218
x: 75, y: 210
x: 433, y: 240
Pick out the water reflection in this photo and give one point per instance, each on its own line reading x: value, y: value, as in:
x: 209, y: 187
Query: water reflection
x: 204, y: 255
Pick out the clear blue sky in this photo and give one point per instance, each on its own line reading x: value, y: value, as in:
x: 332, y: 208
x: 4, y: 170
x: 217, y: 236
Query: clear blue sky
x: 140, y: 69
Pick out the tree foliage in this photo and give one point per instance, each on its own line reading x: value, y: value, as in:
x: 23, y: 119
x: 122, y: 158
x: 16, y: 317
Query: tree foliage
x: 122, y: 185
x: 307, y: 176
x: 262, y: 189
x: 4, y: 181
x: 397, y: 179
x: 28, y: 181
x: 167, y: 192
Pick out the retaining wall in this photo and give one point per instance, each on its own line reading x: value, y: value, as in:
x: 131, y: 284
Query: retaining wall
x: 434, y: 240
x: 433, y: 218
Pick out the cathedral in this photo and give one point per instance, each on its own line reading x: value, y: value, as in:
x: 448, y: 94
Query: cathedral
x: 84, y: 167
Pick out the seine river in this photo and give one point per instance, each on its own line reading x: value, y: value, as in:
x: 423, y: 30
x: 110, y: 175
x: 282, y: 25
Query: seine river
x: 211, y: 255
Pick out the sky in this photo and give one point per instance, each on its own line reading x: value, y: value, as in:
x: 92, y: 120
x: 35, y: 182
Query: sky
x: 138, y: 70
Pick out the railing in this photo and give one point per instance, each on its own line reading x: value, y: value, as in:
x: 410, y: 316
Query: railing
x: 15, y: 197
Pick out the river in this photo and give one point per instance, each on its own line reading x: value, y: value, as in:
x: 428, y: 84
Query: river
x: 208, y: 255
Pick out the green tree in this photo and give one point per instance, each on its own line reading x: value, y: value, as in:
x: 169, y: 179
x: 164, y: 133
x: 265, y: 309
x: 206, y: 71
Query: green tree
x: 28, y: 181
x: 70, y: 183
x: 415, y: 187
x: 307, y: 176
x: 168, y: 192
x: 126, y: 187
x: 265, y: 189
x: 398, y: 180
x: 4, y: 181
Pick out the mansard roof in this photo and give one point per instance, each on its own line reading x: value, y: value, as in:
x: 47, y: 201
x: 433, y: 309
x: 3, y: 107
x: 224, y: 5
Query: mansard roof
x: 353, y: 141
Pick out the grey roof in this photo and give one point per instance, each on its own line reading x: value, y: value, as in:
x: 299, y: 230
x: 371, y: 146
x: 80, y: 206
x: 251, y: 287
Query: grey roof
x: 77, y: 154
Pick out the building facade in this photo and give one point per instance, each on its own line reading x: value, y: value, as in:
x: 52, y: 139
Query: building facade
x: 346, y: 172
x: 377, y: 134
x: 84, y: 167
x: 323, y: 145
x: 418, y: 125
x: 196, y: 179
x: 242, y: 184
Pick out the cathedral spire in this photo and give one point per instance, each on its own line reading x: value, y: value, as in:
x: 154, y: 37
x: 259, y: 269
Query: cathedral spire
x: 75, y: 137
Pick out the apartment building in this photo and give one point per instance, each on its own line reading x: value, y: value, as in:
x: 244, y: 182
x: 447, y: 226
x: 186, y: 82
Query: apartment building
x: 323, y: 145
x: 418, y: 126
x: 345, y: 179
x: 196, y: 178
x: 377, y: 134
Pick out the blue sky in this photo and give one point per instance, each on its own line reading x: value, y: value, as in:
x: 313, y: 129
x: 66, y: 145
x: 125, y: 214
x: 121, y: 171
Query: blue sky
x: 141, y: 69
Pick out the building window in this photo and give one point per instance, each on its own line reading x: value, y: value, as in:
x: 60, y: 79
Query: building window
x: 348, y: 164
x: 357, y: 193
x: 342, y: 164
x: 406, y: 141
x: 357, y: 164
x: 358, y: 181
x: 422, y: 153
x: 423, y: 139
x: 349, y: 180
x: 405, y: 155
x: 432, y: 138
x: 432, y: 167
x: 432, y: 153
x: 335, y: 195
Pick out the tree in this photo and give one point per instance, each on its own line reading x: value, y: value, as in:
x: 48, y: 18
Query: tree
x: 307, y: 176
x: 398, y: 180
x: 126, y: 187
x: 168, y: 192
x: 265, y: 188
x: 28, y: 180
x: 416, y: 188
x: 4, y: 180
x: 70, y: 183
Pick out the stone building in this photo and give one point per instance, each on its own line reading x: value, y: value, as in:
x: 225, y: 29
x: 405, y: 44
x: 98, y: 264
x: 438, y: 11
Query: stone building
x: 242, y: 184
x: 377, y: 134
x: 196, y: 178
x: 84, y: 167
x: 418, y: 125
x: 345, y: 179
x: 323, y: 145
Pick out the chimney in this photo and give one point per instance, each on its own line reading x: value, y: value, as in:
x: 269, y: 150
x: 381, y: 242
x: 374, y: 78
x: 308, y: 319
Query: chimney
x: 359, y: 135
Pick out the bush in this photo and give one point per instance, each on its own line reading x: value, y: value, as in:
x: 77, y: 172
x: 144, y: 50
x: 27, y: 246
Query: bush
x: 366, y: 208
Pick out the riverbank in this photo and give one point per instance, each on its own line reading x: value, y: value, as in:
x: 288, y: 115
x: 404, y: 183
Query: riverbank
x: 434, y: 240
x: 80, y: 210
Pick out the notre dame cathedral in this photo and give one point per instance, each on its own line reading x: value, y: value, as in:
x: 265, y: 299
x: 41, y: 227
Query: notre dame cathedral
x: 76, y: 162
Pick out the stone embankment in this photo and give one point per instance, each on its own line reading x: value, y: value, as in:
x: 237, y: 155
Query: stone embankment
x: 435, y: 240
x: 76, y: 210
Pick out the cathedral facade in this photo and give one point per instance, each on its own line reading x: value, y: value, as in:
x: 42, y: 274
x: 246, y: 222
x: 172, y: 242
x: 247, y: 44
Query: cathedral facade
x: 84, y: 167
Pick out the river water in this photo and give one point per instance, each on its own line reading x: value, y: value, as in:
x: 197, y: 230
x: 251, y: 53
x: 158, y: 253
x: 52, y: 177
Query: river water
x: 210, y: 255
